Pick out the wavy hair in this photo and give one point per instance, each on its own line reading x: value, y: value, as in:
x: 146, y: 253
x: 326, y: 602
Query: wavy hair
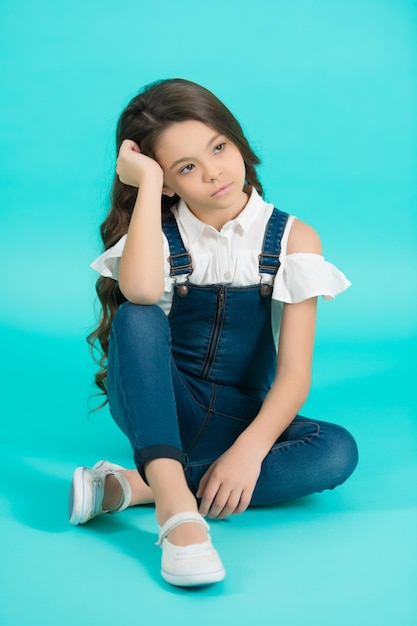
x: 155, y: 108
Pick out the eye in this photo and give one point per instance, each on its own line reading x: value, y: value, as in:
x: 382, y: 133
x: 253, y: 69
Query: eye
x: 219, y: 148
x: 187, y: 169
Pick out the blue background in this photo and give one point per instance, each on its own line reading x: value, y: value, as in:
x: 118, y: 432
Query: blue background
x: 327, y: 94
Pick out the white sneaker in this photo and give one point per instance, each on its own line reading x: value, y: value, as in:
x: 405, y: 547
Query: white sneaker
x: 197, y: 564
x: 87, y: 491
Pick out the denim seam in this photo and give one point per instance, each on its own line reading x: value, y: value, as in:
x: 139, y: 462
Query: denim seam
x: 234, y: 418
x: 206, y: 421
x: 173, y: 306
x: 231, y: 288
x: 191, y: 465
x: 122, y: 393
x: 188, y: 390
x: 287, y: 444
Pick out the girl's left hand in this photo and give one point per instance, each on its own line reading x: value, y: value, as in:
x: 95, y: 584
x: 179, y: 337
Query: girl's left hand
x: 227, y: 486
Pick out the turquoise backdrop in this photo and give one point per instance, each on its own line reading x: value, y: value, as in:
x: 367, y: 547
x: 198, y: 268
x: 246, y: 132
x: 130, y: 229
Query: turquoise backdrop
x: 327, y: 94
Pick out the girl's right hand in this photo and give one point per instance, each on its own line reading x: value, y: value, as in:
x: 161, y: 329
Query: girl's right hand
x: 133, y: 167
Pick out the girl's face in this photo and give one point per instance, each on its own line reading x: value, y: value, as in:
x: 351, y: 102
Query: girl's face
x: 204, y: 168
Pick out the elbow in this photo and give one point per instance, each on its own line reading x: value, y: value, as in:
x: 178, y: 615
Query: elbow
x: 143, y: 293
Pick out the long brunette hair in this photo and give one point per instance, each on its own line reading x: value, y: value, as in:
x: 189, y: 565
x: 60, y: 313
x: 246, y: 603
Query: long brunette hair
x: 155, y: 108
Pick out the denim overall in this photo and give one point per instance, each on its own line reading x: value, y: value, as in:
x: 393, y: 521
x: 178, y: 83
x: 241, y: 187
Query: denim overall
x: 186, y: 385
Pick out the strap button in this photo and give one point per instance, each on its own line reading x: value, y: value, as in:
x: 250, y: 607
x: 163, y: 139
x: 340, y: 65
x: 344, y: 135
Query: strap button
x: 182, y: 290
x: 265, y: 290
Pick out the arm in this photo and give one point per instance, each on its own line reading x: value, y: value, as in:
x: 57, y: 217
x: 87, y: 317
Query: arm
x: 295, y: 353
x: 228, y: 484
x: 141, y: 271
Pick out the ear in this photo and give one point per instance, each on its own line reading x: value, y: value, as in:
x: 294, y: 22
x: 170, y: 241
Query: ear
x: 167, y: 191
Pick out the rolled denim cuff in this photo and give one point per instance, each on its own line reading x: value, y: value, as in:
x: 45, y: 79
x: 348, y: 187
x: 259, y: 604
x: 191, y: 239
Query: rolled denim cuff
x: 158, y: 452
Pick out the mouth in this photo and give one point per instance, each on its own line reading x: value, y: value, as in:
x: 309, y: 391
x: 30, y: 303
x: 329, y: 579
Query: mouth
x: 221, y: 191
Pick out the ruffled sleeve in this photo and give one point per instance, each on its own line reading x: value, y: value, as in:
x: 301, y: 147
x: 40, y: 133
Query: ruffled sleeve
x: 305, y: 275
x: 107, y: 264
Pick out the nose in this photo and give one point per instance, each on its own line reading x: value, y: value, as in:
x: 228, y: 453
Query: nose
x: 211, y: 173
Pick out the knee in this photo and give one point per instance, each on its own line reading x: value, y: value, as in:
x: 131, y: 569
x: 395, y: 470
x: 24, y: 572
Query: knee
x: 342, y: 454
x: 141, y: 318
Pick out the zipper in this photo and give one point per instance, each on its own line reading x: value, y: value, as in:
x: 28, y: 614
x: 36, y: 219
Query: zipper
x: 215, y: 336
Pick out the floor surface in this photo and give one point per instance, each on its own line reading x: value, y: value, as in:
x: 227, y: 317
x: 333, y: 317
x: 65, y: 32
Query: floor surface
x: 344, y: 558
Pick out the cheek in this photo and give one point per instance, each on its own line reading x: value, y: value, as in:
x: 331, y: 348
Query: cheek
x: 240, y: 166
x: 181, y: 187
x: 239, y: 163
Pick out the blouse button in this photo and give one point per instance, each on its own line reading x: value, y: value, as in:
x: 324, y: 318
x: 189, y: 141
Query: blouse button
x: 227, y: 276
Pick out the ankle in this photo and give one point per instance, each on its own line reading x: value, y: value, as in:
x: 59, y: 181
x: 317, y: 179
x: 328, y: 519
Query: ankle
x: 112, y: 493
x: 140, y: 492
x: 168, y: 507
x: 172, y: 495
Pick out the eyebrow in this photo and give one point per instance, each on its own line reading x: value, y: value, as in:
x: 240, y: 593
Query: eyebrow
x: 212, y: 140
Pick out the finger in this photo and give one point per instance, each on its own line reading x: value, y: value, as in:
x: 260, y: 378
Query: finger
x: 208, y: 496
x: 129, y: 144
x: 230, y: 506
x: 219, y: 502
x: 244, y: 501
x: 206, y: 503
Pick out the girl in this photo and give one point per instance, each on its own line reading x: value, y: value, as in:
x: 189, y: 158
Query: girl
x: 201, y: 282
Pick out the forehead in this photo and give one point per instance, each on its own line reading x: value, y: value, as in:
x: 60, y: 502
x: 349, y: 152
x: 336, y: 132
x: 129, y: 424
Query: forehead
x: 184, y: 139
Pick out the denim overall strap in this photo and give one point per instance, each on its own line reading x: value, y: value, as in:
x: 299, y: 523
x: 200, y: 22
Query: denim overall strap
x: 271, y: 248
x: 179, y: 260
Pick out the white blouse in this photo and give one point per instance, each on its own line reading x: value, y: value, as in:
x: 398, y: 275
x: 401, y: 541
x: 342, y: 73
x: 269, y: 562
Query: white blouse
x: 231, y: 257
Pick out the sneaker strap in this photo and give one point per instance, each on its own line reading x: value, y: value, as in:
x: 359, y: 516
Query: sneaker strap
x: 177, y: 520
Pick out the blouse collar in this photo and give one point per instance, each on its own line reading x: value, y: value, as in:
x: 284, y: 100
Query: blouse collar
x: 195, y: 227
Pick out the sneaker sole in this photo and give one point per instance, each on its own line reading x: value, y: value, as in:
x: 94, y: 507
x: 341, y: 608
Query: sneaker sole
x: 76, y: 498
x: 194, y: 580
